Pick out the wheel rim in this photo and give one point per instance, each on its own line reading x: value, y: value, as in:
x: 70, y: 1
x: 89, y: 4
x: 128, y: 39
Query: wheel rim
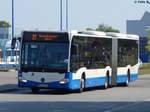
x: 106, y: 82
x: 128, y: 78
x: 127, y: 81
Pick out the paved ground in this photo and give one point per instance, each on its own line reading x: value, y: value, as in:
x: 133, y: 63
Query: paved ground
x: 135, y: 98
x: 8, y: 81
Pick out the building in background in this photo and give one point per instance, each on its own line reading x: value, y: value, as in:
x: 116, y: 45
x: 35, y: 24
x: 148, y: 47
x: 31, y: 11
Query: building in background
x: 6, y: 46
x: 139, y: 27
x: 4, y: 37
x: 4, y: 33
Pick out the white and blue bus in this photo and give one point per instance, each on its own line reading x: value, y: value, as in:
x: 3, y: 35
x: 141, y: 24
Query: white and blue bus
x: 76, y: 60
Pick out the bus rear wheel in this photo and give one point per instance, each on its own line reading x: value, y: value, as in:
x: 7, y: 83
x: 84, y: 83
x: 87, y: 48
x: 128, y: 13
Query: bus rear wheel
x: 106, y: 83
x: 82, y: 85
x: 127, y: 79
x: 35, y: 90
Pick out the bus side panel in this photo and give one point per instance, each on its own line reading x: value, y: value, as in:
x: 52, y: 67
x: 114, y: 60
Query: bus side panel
x: 89, y: 82
x: 127, y: 60
x: 92, y: 82
x: 93, y: 78
x: 134, y: 72
x: 122, y: 73
x: 123, y: 77
x: 72, y: 84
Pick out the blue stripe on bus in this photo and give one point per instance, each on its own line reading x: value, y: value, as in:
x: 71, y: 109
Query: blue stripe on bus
x: 75, y: 84
x: 123, y: 78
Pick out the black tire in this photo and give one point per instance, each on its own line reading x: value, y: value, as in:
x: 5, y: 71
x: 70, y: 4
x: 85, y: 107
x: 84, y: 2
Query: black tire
x: 106, y: 84
x: 34, y: 90
x: 127, y: 79
x: 82, y: 85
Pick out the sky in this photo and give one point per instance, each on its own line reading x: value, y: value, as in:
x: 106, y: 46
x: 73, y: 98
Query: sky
x: 45, y: 14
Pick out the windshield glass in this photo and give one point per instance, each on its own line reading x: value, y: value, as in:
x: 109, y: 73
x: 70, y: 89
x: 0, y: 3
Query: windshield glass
x: 45, y: 56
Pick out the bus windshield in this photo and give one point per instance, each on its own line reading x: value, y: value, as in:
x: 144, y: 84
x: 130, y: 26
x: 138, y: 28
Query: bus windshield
x: 44, y: 56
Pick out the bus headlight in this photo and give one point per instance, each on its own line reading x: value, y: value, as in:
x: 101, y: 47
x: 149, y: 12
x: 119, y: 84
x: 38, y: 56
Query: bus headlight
x: 24, y: 80
x: 21, y: 79
x: 63, y: 81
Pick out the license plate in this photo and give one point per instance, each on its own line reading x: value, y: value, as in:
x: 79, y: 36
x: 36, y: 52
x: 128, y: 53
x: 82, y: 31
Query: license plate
x: 43, y: 85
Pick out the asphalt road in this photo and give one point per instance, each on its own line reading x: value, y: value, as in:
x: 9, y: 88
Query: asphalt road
x: 135, y: 98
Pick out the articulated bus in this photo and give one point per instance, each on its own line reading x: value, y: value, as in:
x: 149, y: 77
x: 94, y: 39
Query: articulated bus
x: 76, y: 60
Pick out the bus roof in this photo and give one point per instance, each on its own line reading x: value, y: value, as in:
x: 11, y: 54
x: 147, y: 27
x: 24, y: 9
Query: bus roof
x: 96, y: 34
x: 106, y: 34
x: 90, y: 33
x: 123, y: 36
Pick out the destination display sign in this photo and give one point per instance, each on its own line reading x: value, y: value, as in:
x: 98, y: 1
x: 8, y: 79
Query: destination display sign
x: 45, y: 36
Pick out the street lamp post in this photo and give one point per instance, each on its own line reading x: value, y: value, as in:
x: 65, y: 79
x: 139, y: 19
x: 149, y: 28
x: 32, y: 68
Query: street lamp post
x: 61, y: 14
x: 66, y: 14
x: 12, y: 50
x: 12, y: 19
